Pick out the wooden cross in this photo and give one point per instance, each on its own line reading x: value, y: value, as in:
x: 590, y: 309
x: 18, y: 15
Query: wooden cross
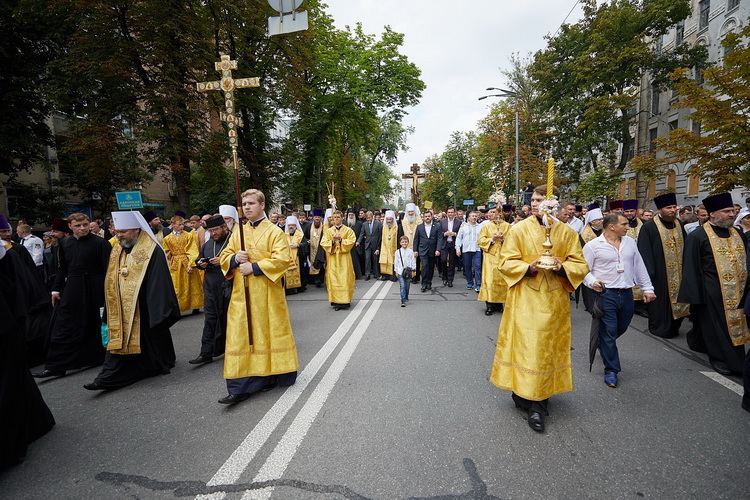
x: 227, y: 84
x: 414, y: 176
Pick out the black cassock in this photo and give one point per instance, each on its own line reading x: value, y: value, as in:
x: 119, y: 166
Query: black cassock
x: 661, y: 322
x: 75, y: 338
x: 24, y: 416
x: 159, y: 311
x: 700, y: 287
x: 215, y: 302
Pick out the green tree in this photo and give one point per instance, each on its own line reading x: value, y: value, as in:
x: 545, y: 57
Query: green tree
x: 356, y: 94
x: 719, y: 154
x: 590, y: 76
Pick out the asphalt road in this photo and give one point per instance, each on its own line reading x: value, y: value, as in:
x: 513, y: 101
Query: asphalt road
x: 396, y: 403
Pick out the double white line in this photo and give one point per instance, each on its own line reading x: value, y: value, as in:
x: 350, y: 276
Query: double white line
x: 279, y: 459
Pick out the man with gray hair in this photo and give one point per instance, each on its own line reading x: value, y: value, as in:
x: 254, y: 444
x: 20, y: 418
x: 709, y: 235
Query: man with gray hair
x: 33, y: 244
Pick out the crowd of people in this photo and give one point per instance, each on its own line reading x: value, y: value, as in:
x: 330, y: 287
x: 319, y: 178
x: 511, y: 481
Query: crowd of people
x: 105, y: 293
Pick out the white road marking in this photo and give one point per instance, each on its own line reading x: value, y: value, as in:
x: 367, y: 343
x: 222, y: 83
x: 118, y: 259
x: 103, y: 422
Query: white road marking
x: 282, y: 455
x: 722, y: 380
x: 236, y: 464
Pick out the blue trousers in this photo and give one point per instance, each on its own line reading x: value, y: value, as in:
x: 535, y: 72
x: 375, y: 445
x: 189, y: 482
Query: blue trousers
x: 473, y: 267
x: 617, y: 305
x: 405, y: 284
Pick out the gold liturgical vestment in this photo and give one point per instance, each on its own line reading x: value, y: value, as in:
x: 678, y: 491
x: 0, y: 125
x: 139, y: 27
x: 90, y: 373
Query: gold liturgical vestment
x: 122, y: 284
x: 274, y: 352
x: 388, y: 246
x: 182, y: 250
x: 292, y: 276
x: 532, y: 357
x: 409, y: 230
x: 339, y: 267
x: 494, y: 288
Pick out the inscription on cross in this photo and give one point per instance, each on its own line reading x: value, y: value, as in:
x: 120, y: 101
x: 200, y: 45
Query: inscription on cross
x: 414, y: 176
x: 227, y: 84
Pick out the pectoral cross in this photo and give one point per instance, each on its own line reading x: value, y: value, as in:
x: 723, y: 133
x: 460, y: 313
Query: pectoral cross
x: 414, y: 176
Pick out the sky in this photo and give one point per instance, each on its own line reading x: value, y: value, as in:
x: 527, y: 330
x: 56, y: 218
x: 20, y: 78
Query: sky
x: 461, y: 46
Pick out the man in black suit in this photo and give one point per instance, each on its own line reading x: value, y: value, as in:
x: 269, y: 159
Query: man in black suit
x: 428, y: 239
x: 449, y: 227
x: 369, y: 241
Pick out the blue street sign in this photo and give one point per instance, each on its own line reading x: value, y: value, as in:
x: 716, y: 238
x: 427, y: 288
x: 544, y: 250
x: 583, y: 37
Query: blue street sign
x: 129, y: 200
x: 468, y: 202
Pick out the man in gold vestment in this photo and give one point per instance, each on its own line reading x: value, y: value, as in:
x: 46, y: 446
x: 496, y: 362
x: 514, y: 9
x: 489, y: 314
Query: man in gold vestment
x: 272, y: 359
x: 182, y: 251
x: 532, y: 357
x: 388, y: 243
x: 490, y: 240
x: 338, y: 241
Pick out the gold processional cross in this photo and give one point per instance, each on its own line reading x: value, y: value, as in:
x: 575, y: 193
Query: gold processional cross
x: 227, y: 84
x: 414, y: 176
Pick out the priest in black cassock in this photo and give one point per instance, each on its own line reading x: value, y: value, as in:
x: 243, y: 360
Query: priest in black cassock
x: 714, y: 282
x: 24, y: 416
x: 141, y: 306
x: 78, y: 295
x: 661, y: 242
x: 217, y: 290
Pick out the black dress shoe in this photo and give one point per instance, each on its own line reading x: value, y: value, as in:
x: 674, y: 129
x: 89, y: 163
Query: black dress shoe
x: 336, y: 308
x: 423, y: 289
x: 450, y: 284
x: 721, y: 367
x: 48, y: 374
x: 94, y: 386
x: 201, y: 360
x: 233, y: 399
x: 536, y: 421
x: 367, y: 277
x: 488, y: 311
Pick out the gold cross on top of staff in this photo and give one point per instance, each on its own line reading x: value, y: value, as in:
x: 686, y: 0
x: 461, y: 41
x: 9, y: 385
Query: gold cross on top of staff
x: 227, y: 84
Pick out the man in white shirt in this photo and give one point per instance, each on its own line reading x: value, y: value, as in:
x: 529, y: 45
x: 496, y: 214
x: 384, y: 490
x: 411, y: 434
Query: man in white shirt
x: 573, y: 221
x: 33, y: 244
x: 615, y: 267
x: 468, y: 247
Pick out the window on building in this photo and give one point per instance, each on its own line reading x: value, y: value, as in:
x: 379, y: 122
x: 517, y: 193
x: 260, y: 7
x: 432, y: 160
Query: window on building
x: 693, y: 184
x: 673, y: 125
x: 654, y: 100
x: 631, y: 149
x: 704, y: 7
x: 679, y: 35
x: 696, y: 127
x: 651, y: 190
x: 671, y: 179
x: 631, y: 190
x: 623, y: 186
x: 652, y: 135
x: 731, y: 4
x: 660, y: 44
x: 699, y: 76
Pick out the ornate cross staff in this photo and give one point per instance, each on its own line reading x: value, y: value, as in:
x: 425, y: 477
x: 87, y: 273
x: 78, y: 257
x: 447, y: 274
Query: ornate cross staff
x: 227, y: 84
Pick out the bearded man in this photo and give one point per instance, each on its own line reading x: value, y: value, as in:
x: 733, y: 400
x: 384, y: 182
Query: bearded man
x: 314, y: 233
x: 216, y: 291
x: 338, y: 241
x: 714, y: 282
x: 141, y: 306
x: 388, y: 244
x: 660, y: 243
x: 154, y: 221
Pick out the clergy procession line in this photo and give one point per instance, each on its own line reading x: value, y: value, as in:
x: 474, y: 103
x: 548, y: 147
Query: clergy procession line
x: 113, y: 302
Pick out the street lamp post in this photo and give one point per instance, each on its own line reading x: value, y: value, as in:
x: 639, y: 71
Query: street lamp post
x: 509, y: 93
